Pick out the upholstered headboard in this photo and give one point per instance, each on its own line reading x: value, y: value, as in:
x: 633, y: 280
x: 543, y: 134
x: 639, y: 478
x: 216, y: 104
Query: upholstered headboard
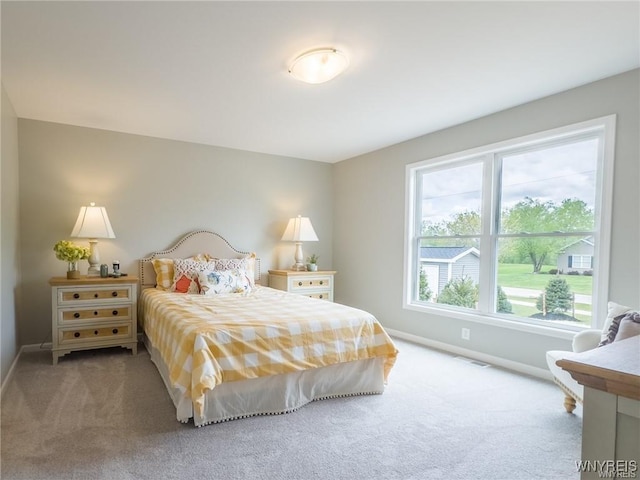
x: 193, y: 243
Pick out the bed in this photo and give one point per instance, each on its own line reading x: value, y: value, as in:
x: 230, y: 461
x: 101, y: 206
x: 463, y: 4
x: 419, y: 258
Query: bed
x: 251, y: 351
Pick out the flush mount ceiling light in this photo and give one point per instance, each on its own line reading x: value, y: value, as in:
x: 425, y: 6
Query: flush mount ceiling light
x: 319, y: 66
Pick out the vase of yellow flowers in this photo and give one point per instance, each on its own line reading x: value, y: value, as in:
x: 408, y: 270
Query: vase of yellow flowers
x: 72, y: 254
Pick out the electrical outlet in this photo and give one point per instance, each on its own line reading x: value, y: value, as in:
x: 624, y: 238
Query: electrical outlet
x: 466, y: 334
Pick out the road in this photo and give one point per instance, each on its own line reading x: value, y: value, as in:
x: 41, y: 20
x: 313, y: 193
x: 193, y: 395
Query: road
x: 530, y: 293
x: 534, y: 294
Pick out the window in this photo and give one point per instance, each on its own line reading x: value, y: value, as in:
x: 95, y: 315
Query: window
x: 516, y: 231
x: 580, y: 261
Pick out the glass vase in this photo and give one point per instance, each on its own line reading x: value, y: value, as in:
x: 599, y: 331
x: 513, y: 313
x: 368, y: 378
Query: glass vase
x: 73, y: 271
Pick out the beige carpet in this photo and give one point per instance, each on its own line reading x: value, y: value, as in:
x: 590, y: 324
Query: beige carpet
x: 105, y: 414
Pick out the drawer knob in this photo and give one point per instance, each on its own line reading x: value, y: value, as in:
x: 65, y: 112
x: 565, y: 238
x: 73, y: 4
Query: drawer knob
x: 320, y: 296
x: 95, y: 313
x: 114, y: 294
x: 115, y: 312
x: 321, y: 282
x: 95, y: 332
x: 115, y: 331
x: 76, y: 315
x: 76, y: 334
x: 299, y: 284
x: 76, y: 295
x: 95, y: 295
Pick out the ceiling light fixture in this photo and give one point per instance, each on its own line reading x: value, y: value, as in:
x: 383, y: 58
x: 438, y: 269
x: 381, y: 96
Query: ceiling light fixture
x: 319, y: 66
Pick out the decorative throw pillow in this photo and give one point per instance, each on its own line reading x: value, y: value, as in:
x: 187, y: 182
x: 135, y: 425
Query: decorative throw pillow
x: 629, y: 326
x: 247, y: 264
x: 202, y: 257
x: 185, y: 274
x: 186, y: 284
x: 164, y: 272
x: 213, y: 282
x: 623, y: 326
x: 613, y: 310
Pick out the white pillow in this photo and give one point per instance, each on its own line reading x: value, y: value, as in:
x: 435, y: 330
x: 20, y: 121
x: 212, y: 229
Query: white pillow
x: 213, y: 282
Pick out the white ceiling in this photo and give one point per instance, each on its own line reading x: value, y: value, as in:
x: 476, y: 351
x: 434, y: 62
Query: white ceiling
x: 216, y: 72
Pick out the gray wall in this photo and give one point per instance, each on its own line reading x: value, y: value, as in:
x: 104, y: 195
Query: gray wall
x: 9, y: 237
x: 370, y: 200
x: 155, y: 191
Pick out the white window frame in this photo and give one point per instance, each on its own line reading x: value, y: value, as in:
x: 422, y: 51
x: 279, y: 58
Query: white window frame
x: 603, y: 213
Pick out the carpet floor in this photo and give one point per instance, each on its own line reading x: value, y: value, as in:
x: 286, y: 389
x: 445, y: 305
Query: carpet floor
x: 105, y: 414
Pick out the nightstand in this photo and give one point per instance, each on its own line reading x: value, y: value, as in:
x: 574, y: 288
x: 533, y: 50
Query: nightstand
x: 312, y: 284
x: 93, y: 312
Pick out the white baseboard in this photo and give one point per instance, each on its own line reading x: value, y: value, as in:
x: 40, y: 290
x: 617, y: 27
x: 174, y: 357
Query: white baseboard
x: 483, y: 357
x: 36, y: 347
x: 23, y: 348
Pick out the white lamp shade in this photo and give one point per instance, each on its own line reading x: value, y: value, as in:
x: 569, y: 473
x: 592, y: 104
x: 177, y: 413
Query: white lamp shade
x: 299, y: 229
x: 319, y: 66
x: 93, y: 222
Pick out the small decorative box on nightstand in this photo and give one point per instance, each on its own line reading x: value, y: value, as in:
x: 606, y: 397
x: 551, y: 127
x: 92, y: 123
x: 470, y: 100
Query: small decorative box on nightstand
x: 312, y: 284
x: 93, y: 312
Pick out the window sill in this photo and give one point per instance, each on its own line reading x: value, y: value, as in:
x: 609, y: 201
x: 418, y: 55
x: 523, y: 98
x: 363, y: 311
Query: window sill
x: 566, y: 332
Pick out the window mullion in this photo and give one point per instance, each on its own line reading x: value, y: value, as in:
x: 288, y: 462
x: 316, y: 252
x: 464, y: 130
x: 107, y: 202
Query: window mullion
x: 417, y: 232
x: 487, y: 243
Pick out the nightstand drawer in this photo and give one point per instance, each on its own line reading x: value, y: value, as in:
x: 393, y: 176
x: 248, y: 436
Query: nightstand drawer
x: 93, y: 312
x: 321, y: 295
x: 299, y: 285
x: 71, y: 315
x: 106, y: 334
x: 310, y: 284
x: 79, y: 295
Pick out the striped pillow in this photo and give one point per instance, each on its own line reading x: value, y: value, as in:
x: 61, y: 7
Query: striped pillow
x: 164, y: 272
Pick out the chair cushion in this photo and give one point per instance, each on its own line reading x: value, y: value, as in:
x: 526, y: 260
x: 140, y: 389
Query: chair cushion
x: 563, y: 378
x: 586, y: 340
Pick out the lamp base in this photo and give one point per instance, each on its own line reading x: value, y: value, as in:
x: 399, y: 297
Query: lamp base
x: 94, y: 271
x: 94, y: 259
x: 298, y: 267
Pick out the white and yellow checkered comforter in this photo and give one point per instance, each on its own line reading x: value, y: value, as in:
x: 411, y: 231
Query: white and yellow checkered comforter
x: 228, y: 337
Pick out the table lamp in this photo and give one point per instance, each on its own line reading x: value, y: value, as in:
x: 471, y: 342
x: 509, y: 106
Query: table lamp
x: 299, y: 229
x: 93, y: 223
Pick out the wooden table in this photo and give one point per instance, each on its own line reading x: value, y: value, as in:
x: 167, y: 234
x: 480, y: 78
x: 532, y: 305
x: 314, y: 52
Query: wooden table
x: 611, y: 413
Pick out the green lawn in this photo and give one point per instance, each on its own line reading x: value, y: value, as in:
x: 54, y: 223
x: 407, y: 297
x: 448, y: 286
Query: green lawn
x: 522, y: 276
x: 530, y: 309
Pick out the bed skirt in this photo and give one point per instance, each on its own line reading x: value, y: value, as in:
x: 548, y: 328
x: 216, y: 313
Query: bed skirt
x: 275, y: 394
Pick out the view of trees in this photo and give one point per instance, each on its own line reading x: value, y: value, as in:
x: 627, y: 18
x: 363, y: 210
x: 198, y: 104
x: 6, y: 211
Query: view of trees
x: 557, y: 297
x: 527, y: 216
x: 459, y: 291
x: 504, y: 305
x: 425, y: 292
x: 533, y: 216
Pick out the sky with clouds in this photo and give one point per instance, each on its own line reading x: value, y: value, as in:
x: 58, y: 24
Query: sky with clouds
x: 550, y: 175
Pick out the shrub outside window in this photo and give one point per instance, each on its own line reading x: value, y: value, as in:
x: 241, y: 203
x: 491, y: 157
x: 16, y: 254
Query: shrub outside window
x: 516, y: 231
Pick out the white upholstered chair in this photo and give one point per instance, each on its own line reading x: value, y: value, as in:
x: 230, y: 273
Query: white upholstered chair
x: 583, y: 341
